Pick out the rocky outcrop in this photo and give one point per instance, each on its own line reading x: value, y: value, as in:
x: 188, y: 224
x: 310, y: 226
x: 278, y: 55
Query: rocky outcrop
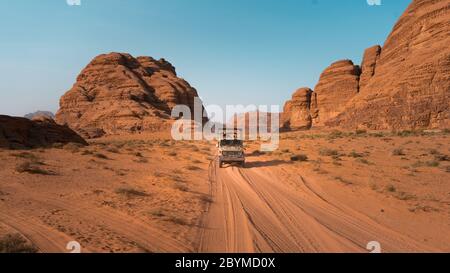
x: 298, y: 113
x: 39, y: 114
x: 19, y: 133
x: 337, y: 85
x: 404, y: 85
x: 411, y: 85
x: 370, y: 59
x: 117, y: 93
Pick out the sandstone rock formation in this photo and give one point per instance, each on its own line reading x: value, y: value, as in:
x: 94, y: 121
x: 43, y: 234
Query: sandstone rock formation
x: 404, y: 85
x: 21, y: 133
x: 298, y: 113
x: 337, y: 85
x: 117, y: 93
x: 411, y: 85
x: 40, y: 113
x: 370, y: 59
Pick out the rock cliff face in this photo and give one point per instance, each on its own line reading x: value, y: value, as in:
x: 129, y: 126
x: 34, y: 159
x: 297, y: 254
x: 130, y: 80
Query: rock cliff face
x: 403, y: 85
x: 117, y: 93
x: 298, y: 113
x: 337, y: 85
x: 20, y: 133
x: 410, y: 88
x: 370, y: 59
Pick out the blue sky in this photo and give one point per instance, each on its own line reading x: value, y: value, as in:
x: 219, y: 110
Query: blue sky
x: 232, y: 51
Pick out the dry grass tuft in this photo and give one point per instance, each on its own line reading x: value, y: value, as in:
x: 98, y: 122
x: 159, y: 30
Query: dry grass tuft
x: 15, y: 243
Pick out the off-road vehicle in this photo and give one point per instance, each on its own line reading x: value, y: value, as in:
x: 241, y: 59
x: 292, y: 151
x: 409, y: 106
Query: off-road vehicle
x: 231, y: 147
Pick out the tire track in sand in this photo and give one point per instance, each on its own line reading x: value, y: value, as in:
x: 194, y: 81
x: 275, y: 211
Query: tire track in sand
x: 254, y: 211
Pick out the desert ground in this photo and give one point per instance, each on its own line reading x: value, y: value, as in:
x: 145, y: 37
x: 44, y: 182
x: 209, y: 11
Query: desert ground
x: 321, y: 191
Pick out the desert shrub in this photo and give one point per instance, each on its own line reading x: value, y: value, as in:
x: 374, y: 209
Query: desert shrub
x: 355, y: 154
x: 328, y: 152
x: 32, y: 168
x: 193, y: 168
x: 57, y: 145
x: 138, y: 154
x: 26, y: 155
x: 342, y: 180
x: 141, y: 160
x: 439, y: 157
x: 391, y: 188
x: 73, y: 147
x: 300, y: 157
x: 101, y: 156
x: 87, y: 152
x: 181, y: 187
x: 432, y: 163
x: 157, y: 212
x: 172, y: 154
x: 405, y: 196
x: 361, y: 132
x: 15, y: 243
x: 434, y: 152
x: 336, y: 134
x: 130, y: 192
x: 363, y: 161
x: 407, y: 133
x: 377, y: 134
x: 177, y: 220
x: 206, y: 198
x: 285, y: 151
x: 398, y: 152
x: 113, y: 150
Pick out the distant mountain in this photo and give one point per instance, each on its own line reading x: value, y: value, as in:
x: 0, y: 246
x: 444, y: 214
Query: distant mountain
x: 40, y: 113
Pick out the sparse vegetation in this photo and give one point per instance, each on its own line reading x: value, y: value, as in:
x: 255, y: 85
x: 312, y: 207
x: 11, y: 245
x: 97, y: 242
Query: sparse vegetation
x: 405, y: 196
x: 342, y: 180
x: 193, y: 168
x: 181, y: 187
x: 130, y: 192
x: 328, y: 152
x: 167, y: 216
x: 15, y: 243
x: 206, y: 198
x: 26, y: 155
x: 141, y: 160
x: 172, y: 154
x: 363, y: 161
x: 73, y: 147
x: 354, y: 154
x: 300, y: 157
x: 101, y: 156
x: 391, y: 188
x: 440, y: 157
x: 398, y: 152
x: 113, y: 150
x: 87, y: 152
x: 32, y: 168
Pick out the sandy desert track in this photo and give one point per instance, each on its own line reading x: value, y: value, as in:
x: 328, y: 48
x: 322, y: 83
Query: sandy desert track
x: 254, y: 211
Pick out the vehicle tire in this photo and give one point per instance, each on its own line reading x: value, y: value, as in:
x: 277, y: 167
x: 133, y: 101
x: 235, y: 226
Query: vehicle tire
x: 220, y: 164
x: 243, y: 164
